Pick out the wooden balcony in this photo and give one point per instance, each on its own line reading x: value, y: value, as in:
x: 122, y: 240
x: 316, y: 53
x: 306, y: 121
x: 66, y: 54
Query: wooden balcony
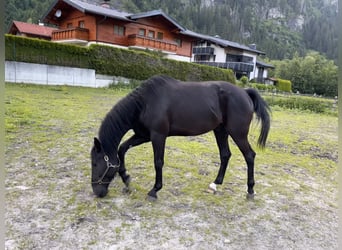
x: 151, y: 43
x: 74, y: 35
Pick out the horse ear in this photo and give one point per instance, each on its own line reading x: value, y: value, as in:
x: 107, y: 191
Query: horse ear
x: 97, y: 144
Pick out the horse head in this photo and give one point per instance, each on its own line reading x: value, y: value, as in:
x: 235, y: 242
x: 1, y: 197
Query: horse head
x: 103, y: 169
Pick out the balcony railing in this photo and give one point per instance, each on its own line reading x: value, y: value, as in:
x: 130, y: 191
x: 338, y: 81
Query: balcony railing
x: 71, y: 34
x: 203, y: 50
x: 235, y: 66
x: 147, y: 42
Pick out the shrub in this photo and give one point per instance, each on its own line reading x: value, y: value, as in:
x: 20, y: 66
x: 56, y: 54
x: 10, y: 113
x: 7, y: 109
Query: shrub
x: 244, y: 80
x: 263, y: 87
x: 317, y: 105
x: 284, y: 85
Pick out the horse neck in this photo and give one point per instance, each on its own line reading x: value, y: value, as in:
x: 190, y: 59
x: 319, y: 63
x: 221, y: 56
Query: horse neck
x: 118, y: 121
x: 111, y: 132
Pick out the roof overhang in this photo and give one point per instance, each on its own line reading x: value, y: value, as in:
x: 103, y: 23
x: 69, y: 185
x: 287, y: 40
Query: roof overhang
x: 156, y: 13
x: 66, y: 5
x: 221, y: 42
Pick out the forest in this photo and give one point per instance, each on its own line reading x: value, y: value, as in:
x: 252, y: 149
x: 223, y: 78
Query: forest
x: 281, y: 28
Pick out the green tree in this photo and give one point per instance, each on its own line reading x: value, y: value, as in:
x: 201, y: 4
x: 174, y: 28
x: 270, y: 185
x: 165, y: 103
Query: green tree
x: 312, y: 74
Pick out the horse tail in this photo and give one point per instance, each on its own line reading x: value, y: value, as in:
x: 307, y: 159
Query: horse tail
x: 262, y: 111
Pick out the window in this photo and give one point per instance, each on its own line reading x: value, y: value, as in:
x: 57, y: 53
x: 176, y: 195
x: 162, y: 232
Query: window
x: 119, y: 30
x: 201, y: 58
x: 160, y: 36
x: 142, y: 32
x: 179, y: 42
x: 81, y: 24
x: 69, y: 25
x: 151, y: 34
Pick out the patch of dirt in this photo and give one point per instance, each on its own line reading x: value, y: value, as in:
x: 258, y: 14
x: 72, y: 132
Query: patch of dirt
x: 50, y: 206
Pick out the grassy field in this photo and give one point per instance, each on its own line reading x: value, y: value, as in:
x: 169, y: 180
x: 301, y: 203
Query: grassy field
x: 50, y: 205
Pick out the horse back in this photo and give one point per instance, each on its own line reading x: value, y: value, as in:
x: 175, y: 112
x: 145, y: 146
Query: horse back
x: 189, y: 108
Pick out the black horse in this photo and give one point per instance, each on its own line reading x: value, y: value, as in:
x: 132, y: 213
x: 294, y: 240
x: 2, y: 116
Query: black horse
x: 163, y: 107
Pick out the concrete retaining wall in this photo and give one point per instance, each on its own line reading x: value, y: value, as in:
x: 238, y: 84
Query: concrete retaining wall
x: 20, y: 72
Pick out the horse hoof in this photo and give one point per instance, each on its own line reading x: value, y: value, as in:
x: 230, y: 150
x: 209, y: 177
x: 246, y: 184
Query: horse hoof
x: 128, y: 181
x: 151, y: 198
x: 126, y: 190
x: 210, y: 191
x: 212, y: 188
x: 250, y: 196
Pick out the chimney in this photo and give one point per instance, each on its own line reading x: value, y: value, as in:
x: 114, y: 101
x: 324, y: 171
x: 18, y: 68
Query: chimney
x: 105, y: 4
x: 252, y: 46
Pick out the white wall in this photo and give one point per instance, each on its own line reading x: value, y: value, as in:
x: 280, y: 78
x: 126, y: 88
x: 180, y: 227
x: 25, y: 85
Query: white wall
x: 178, y: 57
x: 220, y: 53
x: 20, y: 72
x: 254, y: 72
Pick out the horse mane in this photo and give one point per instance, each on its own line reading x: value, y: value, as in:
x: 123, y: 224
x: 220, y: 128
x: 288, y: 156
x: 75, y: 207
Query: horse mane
x: 119, y: 120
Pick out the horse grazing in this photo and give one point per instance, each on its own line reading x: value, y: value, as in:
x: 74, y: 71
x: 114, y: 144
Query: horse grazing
x: 162, y: 107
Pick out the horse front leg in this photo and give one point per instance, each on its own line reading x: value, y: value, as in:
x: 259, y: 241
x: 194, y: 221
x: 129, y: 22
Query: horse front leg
x: 158, y: 144
x: 133, y: 141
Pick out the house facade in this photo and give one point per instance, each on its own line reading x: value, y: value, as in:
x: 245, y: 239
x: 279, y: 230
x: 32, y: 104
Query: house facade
x: 81, y: 23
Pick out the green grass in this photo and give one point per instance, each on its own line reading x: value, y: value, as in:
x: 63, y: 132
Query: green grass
x: 50, y: 130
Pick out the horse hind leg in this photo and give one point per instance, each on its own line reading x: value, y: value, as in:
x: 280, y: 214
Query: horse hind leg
x: 158, y: 144
x: 222, y: 142
x: 249, y: 155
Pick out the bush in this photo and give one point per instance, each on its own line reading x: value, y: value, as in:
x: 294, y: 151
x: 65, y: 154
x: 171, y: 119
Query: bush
x: 263, y: 87
x: 244, y: 80
x: 316, y: 105
x: 284, y: 85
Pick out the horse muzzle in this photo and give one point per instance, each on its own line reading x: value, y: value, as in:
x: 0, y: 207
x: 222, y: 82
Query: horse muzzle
x: 100, y: 190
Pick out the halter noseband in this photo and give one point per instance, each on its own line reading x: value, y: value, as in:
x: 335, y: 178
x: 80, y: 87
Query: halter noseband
x: 109, y: 165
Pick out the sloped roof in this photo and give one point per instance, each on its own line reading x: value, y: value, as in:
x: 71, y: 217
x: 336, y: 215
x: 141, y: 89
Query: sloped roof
x: 221, y: 42
x: 156, y: 13
x: 264, y: 65
x: 32, y: 29
x: 89, y: 8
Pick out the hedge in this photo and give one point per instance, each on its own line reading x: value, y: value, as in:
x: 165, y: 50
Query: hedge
x: 284, y: 85
x: 108, y: 60
x: 317, y: 105
x: 41, y: 51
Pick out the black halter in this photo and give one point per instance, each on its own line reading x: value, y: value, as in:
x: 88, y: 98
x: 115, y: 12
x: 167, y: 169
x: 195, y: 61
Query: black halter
x: 109, y: 165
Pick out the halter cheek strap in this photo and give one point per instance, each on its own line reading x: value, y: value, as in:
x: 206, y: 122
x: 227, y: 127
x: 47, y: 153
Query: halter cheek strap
x: 109, y: 165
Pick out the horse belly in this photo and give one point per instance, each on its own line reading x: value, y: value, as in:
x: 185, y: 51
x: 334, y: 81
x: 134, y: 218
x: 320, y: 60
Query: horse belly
x: 194, y: 121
